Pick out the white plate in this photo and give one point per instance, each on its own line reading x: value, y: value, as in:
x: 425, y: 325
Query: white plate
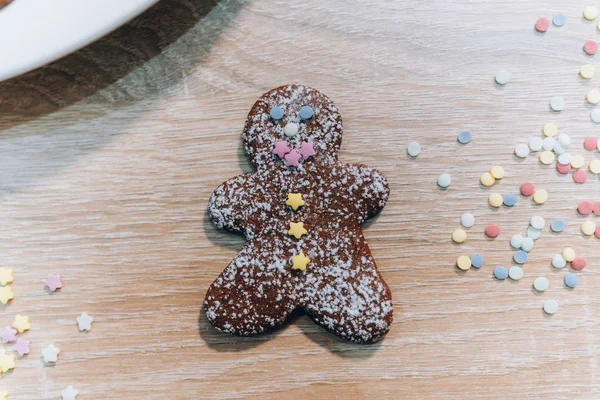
x: 36, y: 32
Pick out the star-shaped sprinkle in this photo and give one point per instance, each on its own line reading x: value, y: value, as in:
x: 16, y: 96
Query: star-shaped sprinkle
x: 294, y: 200
x: 7, y: 362
x: 21, y: 323
x: 22, y: 347
x: 6, y: 294
x: 8, y: 335
x: 50, y: 354
x: 281, y: 149
x: 3, y: 395
x: 307, y: 150
x: 53, y: 282
x: 299, y: 262
x: 85, y: 322
x: 292, y: 158
x: 6, y: 276
x: 69, y: 393
x: 297, y: 229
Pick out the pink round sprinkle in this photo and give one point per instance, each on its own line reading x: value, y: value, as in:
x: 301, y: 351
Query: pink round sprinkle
x: 590, y: 143
x: 563, y: 168
x: 542, y: 24
x: 585, y: 208
x: 579, y: 176
x: 527, y: 189
x: 578, y: 263
x: 492, y: 231
x: 596, y: 208
x: 597, y: 233
x: 590, y: 47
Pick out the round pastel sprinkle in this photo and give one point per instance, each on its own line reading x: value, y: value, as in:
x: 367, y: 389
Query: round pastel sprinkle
x: 537, y: 222
x: 535, y: 143
x: 306, y: 113
x: 571, y: 280
x: 590, y: 143
x: 276, y: 113
x: 540, y: 196
x: 547, y: 157
x: 596, y: 208
x: 558, y: 261
x: 568, y: 254
x: 542, y: 24
x: 463, y: 263
x: 413, y: 149
x: 577, y: 161
x: 563, y: 168
x: 459, y: 236
x: 500, y: 273
x: 580, y: 176
x: 558, y: 225
x: 559, y: 20
x: 597, y: 233
x: 495, y: 200
x: 595, y: 115
x: 565, y: 158
x: 522, y: 150
x: 593, y: 96
x: 502, y: 76
x: 527, y: 189
x: 587, y: 71
x: 585, y: 208
x: 565, y: 139
x: 487, y: 179
x: 550, y: 129
x: 464, y: 137
x: 527, y: 244
x: 540, y: 284
x: 590, y: 13
x: 595, y: 167
x: 578, y: 263
x: 557, y: 103
x: 492, y: 231
x: 550, y: 307
x: 476, y: 260
x: 590, y: 47
x: 516, y: 241
x: 467, y: 220
x: 515, y: 273
x: 444, y: 181
x: 559, y: 148
x: 588, y: 228
x: 291, y: 129
x: 548, y: 143
x: 520, y: 257
x: 533, y: 233
x: 497, y: 172
x: 509, y: 200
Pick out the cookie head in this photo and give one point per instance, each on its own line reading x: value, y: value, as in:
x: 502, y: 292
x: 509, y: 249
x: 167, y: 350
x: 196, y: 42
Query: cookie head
x: 291, y: 125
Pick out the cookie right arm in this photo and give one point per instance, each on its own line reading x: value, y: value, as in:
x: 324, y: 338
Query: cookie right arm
x: 229, y: 204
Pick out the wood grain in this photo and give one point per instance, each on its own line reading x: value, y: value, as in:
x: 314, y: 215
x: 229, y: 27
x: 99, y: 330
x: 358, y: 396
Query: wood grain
x: 108, y: 157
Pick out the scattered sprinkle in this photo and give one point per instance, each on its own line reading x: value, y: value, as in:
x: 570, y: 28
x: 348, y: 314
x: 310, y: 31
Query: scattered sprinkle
x: 535, y: 143
x: 459, y: 236
x: 593, y: 96
x: 590, y: 143
x: 540, y: 196
x: 557, y: 103
x: 586, y: 71
x: 558, y: 225
x: 476, y: 260
x: 571, y: 280
x: 590, y: 13
x: 527, y: 189
x: 503, y: 76
x: 520, y: 257
x: 516, y: 241
x: 509, y: 200
x: 6, y: 276
x: 53, y: 282
x: 500, y: 273
x: 563, y: 168
x: 487, y: 179
x: 565, y: 139
x: 69, y: 393
x: 7, y: 362
x: 497, y: 172
x: 597, y: 233
x: 547, y: 157
x: 550, y: 129
x: 50, y: 354
x: 595, y: 115
x: 6, y: 294
x: 444, y: 181
x: 558, y: 261
x: 464, y: 137
x: 548, y: 143
x: 568, y: 254
x: 585, y: 208
x: 463, y: 263
x: 580, y: 176
x: 492, y: 231
x: 413, y: 149
x: 577, y: 161
x: 550, y: 307
x: 527, y: 244
x: 467, y: 220
x: 565, y: 159
x: 578, y: 263
x: 84, y: 321
x: 22, y: 347
x: 522, y: 150
x: 21, y: 323
x: 538, y: 222
x: 533, y: 233
x: 540, y: 284
x: 595, y: 167
x: 8, y: 335
x: 515, y: 273
x: 596, y: 208
x: 542, y: 24
x: 588, y: 228
x: 590, y: 47
x: 559, y: 20
x: 495, y: 200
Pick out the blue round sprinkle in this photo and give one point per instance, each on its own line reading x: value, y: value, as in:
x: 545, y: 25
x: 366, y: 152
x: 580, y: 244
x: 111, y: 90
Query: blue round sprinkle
x: 500, y: 273
x: 510, y: 200
x: 558, y: 225
x: 571, y: 280
x: 559, y: 19
x: 464, y: 137
x: 520, y: 257
x: 306, y: 113
x: 276, y: 113
x: 476, y: 260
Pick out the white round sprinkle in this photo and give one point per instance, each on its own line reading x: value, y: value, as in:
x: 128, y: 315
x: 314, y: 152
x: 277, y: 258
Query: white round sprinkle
x: 444, y: 180
x: 527, y: 244
x: 467, y: 220
x: 558, y: 261
x: 540, y: 284
x: 538, y: 222
x: 595, y: 115
x: 535, y: 143
x: 564, y: 139
x: 550, y: 306
x: 557, y: 103
x: 548, y: 143
x: 522, y: 150
x: 413, y: 149
x: 559, y: 148
x: 515, y: 273
x: 291, y: 129
x: 516, y: 241
x: 502, y: 77
x: 533, y: 233
x: 564, y: 159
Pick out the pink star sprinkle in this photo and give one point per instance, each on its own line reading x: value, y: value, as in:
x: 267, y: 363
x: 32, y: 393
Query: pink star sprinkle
x: 307, y: 150
x: 291, y: 159
x: 22, y: 347
x: 53, y: 282
x: 281, y: 149
x: 9, y: 335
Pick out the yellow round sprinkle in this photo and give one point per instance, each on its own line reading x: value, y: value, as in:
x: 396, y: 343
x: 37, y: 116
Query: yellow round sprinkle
x: 550, y: 129
x: 568, y: 254
x: 577, y: 161
x: 497, y: 172
x: 459, y: 236
x: 540, y: 196
x: 487, y: 179
x: 598, y: 26
x: 463, y: 262
x: 588, y: 228
x: 547, y: 157
x: 590, y: 13
x: 593, y: 96
x: 587, y: 71
x: 595, y: 167
x: 495, y: 200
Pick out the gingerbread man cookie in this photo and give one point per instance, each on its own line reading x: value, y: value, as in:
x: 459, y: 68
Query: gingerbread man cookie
x: 301, y: 213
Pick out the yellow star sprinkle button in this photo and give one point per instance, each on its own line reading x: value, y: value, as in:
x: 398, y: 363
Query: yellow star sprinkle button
x: 21, y: 323
x: 7, y: 362
x: 5, y: 276
x: 297, y: 229
x: 6, y: 294
x: 294, y: 200
x: 300, y: 262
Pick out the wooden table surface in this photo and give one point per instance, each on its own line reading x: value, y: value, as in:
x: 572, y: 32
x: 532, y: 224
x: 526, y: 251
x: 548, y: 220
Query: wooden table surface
x: 108, y: 158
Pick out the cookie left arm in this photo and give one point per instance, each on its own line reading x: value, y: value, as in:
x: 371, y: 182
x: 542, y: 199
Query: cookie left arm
x: 370, y: 190
x: 228, y: 206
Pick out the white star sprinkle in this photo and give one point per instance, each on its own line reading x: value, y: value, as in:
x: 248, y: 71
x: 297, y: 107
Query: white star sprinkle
x: 50, y: 354
x: 69, y: 393
x: 85, y: 322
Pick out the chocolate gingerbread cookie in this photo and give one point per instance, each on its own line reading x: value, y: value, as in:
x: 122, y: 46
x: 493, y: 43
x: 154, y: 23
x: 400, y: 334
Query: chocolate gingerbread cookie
x: 301, y: 212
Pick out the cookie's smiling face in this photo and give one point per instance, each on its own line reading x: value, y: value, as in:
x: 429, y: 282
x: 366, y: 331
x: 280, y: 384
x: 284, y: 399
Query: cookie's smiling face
x: 295, y: 115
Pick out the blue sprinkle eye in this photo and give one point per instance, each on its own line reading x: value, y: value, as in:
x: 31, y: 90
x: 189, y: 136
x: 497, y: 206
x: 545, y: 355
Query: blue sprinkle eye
x: 276, y: 113
x: 306, y: 113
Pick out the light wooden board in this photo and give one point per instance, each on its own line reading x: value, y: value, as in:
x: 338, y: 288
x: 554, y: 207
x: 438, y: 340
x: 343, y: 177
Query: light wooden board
x: 108, y: 158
